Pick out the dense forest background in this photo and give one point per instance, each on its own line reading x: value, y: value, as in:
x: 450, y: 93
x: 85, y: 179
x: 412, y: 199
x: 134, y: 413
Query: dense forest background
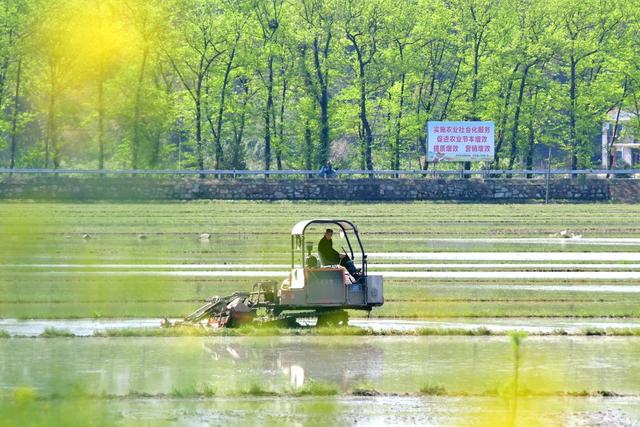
x: 289, y: 84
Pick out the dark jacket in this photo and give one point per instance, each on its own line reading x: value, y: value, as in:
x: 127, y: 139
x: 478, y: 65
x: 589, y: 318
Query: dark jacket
x: 328, y: 255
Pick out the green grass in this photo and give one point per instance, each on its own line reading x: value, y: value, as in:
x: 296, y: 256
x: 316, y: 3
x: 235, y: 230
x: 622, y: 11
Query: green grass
x: 25, y: 396
x: 630, y: 332
x: 316, y: 388
x: 256, y: 389
x: 204, y: 390
x: 452, y: 331
x: 253, y: 331
x: 249, y: 330
x: 56, y: 333
x: 433, y: 390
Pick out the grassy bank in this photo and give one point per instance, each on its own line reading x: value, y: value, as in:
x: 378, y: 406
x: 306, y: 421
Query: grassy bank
x: 251, y: 331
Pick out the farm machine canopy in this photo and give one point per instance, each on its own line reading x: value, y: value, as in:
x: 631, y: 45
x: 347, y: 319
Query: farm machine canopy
x: 310, y: 290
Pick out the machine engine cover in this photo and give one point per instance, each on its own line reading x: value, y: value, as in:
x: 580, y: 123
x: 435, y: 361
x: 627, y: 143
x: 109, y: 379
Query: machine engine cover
x: 375, y: 294
x: 325, y: 286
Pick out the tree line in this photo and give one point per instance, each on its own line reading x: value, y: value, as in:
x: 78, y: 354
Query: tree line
x: 290, y: 84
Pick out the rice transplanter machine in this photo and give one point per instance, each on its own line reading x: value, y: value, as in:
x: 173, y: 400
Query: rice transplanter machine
x: 311, y: 290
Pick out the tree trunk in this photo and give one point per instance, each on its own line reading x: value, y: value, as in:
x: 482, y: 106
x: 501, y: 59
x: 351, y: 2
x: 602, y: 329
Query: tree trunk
x: 135, y: 143
x: 533, y: 101
x: 14, y: 116
x: 476, y: 66
x: 4, y: 67
x: 396, y: 157
x: 434, y: 75
x: 281, y: 126
x: 101, y: 123
x: 612, y: 140
x: 474, y: 92
x: 573, y: 144
x: 363, y: 164
x: 422, y: 136
x: 445, y: 108
x: 532, y: 141
x: 223, y: 91
x: 390, y: 127
x: 198, y: 101
x: 323, y: 101
x: 503, y: 120
x: 325, y: 142
x: 267, y: 117
x: 399, y: 125
x: 421, y: 139
x: 51, y: 142
x: 308, y: 147
x: 516, y: 119
x: 368, y: 135
x: 366, y: 127
x: 154, y: 157
x: 237, y: 160
x: 3, y: 77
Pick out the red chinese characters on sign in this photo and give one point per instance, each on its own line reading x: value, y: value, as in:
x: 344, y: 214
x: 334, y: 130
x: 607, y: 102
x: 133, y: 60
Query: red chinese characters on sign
x: 446, y: 148
x: 454, y: 138
x: 462, y: 129
x: 477, y: 149
x: 460, y: 141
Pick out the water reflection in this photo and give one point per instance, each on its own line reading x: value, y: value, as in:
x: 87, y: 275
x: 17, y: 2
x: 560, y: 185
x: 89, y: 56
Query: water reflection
x: 299, y: 362
x: 389, y: 364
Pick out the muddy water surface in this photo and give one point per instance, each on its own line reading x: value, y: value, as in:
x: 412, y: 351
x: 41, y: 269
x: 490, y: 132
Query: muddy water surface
x: 389, y: 364
x: 379, y: 411
x: 330, y: 411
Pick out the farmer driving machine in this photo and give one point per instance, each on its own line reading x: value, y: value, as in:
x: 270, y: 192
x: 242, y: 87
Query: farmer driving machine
x: 313, y: 288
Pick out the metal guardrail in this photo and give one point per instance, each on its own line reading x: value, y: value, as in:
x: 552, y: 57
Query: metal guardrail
x: 486, y: 173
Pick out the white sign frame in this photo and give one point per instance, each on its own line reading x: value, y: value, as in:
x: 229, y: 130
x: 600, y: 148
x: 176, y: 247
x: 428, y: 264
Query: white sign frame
x: 460, y: 141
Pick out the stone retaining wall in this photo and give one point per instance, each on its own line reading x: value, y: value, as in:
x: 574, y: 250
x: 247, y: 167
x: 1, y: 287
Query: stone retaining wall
x: 189, y: 188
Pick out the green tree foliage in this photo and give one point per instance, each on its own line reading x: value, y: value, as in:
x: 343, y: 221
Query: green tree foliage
x: 233, y: 84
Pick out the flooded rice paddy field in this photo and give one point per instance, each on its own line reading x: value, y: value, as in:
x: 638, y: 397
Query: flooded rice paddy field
x: 439, y: 260
x: 89, y: 267
x: 110, y: 260
x: 49, y: 284
x: 398, y: 364
x: 228, y: 380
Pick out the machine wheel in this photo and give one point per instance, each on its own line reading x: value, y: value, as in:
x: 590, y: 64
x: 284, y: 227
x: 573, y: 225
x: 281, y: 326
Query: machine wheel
x: 333, y: 318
